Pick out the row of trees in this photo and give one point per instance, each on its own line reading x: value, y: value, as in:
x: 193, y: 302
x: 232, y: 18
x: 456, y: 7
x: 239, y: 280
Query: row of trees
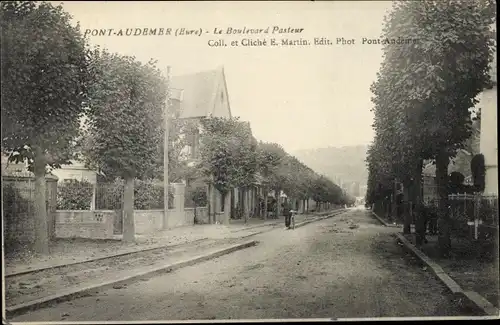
x: 63, y: 100
x: 232, y: 158
x: 424, y: 94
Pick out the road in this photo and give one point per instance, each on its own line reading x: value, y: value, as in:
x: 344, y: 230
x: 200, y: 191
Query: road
x: 327, y: 269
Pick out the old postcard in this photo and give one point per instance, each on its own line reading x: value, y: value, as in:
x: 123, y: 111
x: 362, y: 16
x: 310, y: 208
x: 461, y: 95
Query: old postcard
x: 249, y: 161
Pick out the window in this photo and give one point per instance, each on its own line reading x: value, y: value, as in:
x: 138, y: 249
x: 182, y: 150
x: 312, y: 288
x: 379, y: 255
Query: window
x: 222, y: 97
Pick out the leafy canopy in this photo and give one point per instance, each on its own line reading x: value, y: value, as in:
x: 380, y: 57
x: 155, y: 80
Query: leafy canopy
x: 44, y: 82
x: 125, y: 124
x: 228, y: 153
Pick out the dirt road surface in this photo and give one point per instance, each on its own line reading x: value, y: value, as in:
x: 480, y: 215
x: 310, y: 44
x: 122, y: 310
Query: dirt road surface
x: 348, y: 266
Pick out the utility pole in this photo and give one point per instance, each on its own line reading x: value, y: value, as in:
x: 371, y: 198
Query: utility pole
x: 165, y: 153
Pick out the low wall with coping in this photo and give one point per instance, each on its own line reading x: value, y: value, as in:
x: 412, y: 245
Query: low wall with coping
x: 148, y: 221
x: 96, y: 224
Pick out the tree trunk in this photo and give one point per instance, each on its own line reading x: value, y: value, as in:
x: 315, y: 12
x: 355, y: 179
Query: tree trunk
x: 209, y: 203
x: 406, y: 209
x: 420, y: 218
x: 265, y: 203
x: 245, y: 204
x: 394, y: 206
x: 444, y: 239
x: 128, y: 211
x: 226, y: 197
x: 278, y: 203
x: 40, y: 206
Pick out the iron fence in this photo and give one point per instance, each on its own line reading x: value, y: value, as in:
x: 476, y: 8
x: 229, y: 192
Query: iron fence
x: 18, y: 195
x: 469, y: 212
x: 195, y: 196
x: 77, y: 195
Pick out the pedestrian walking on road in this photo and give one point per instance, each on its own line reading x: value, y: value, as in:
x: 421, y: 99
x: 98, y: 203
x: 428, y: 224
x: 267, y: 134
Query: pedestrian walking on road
x: 287, y: 213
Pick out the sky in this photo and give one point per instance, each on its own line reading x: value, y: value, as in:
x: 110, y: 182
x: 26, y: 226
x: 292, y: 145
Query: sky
x: 300, y: 97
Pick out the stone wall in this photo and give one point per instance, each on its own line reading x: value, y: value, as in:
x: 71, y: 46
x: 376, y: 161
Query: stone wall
x: 147, y: 221
x: 201, y: 215
x: 96, y: 224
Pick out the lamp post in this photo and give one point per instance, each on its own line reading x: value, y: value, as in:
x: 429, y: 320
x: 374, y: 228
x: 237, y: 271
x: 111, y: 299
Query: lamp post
x: 165, y: 153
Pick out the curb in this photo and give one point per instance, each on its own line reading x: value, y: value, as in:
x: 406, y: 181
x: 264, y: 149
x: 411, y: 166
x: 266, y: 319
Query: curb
x: 145, y: 273
x: 100, y: 258
x: 382, y: 221
x: 257, y: 226
x: 471, y: 296
x: 260, y: 232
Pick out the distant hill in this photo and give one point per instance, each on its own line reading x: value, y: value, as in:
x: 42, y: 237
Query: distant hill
x: 348, y: 163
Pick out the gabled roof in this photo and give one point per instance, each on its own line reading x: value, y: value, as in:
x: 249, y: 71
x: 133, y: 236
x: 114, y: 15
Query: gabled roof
x: 197, y: 92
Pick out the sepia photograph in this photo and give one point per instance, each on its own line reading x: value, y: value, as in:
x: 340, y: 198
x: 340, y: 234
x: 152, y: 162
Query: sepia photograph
x: 229, y: 161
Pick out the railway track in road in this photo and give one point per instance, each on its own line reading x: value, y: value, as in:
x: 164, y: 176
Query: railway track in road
x: 32, y: 285
x: 28, y: 286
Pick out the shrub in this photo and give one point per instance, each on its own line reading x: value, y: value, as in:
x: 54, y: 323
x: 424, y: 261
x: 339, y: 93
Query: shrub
x: 148, y: 195
x: 198, y: 196
x: 74, y: 195
x: 109, y: 195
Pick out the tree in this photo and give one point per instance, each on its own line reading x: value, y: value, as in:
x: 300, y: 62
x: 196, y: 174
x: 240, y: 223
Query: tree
x: 228, y: 154
x: 125, y: 122
x: 271, y: 157
x: 450, y: 70
x: 45, y: 75
x: 432, y: 82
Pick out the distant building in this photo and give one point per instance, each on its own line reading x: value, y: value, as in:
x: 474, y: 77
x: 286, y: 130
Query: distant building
x: 355, y: 189
x: 76, y: 171
x: 362, y: 190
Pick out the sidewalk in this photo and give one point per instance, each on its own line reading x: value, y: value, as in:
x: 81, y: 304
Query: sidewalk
x: 468, y: 265
x: 65, y: 251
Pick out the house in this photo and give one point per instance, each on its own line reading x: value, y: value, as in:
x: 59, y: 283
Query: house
x: 460, y: 163
x: 77, y: 171
x: 13, y: 168
x: 489, y: 141
x: 197, y: 96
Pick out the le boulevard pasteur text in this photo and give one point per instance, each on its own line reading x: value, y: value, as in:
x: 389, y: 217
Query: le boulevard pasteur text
x: 182, y: 31
x: 301, y: 41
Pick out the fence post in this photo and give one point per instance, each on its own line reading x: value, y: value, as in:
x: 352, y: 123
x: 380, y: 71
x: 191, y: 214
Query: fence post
x: 477, y: 206
x: 179, y: 193
x: 94, y: 192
